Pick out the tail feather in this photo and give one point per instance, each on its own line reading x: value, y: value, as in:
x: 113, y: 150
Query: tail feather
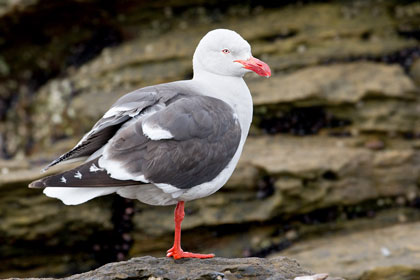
x: 38, y: 184
x: 81, y: 184
x: 75, y: 196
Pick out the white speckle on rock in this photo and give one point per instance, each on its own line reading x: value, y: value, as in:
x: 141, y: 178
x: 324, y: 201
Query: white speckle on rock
x: 149, y: 48
x: 301, y: 49
x: 385, y: 252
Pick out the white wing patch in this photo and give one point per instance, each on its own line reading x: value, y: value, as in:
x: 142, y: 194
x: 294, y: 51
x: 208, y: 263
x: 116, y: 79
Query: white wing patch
x: 116, y: 171
x: 155, y: 132
x: 63, y: 180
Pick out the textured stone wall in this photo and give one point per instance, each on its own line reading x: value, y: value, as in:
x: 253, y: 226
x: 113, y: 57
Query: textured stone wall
x: 335, y: 138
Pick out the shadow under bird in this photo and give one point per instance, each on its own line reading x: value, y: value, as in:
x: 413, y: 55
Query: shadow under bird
x: 168, y: 143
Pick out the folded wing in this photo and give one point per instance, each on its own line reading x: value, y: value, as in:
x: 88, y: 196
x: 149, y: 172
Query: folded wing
x: 162, y: 136
x: 204, y: 136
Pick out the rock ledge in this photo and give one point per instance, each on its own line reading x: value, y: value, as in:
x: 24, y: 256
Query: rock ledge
x: 193, y: 269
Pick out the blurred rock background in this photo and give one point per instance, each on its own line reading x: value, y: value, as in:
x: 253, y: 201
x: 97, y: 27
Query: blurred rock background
x: 330, y: 174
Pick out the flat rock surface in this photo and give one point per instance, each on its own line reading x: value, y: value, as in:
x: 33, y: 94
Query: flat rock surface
x: 218, y: 268
x: 336, y: 84
x: 352, y: 254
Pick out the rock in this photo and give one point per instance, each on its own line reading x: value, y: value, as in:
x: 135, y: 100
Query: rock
x: 157, y: 55
x: 194, y: 269
x: 342, y: 72
x: 322, y: 172
x: 415, y: 71
x: 376, y: 248
x: 369, y: 96
x: 398, y: 272
x: 336, y: 84
x: 9, y: 6
x: 407, y: 16
x: 321, y: 169
x: 298, y: 42
x: 33, y: 223
x: 375, y: 144
x: 340, y: 91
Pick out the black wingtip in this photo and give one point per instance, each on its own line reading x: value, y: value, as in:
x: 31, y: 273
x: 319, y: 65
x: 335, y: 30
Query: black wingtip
x: 38, y: 184
x: 54, y: 162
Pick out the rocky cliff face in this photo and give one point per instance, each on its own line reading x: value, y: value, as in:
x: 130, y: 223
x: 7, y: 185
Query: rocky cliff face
x: 334, y: 147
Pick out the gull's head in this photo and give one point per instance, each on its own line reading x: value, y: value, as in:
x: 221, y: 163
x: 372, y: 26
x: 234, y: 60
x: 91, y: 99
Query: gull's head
x: 225, y: 52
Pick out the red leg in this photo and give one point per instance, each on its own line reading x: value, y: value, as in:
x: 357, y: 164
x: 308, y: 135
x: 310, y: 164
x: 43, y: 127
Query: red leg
x: 176, y: 252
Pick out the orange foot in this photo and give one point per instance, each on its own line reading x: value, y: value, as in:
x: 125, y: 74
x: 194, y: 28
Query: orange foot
x: 178, y: 253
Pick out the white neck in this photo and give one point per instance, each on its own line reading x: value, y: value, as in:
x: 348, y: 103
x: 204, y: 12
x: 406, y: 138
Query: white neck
x: 229, y: 83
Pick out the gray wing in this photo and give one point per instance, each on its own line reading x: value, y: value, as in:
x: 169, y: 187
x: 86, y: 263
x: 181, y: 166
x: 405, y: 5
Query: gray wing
x: 130, y: 105
x: 202, y: 136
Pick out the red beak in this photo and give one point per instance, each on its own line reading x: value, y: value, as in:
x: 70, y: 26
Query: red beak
x: 256, y: 65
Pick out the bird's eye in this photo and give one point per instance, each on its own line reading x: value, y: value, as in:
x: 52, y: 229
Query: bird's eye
x: 226, y: 51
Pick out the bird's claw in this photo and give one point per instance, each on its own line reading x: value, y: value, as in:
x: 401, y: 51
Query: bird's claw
x: 179, y: 254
